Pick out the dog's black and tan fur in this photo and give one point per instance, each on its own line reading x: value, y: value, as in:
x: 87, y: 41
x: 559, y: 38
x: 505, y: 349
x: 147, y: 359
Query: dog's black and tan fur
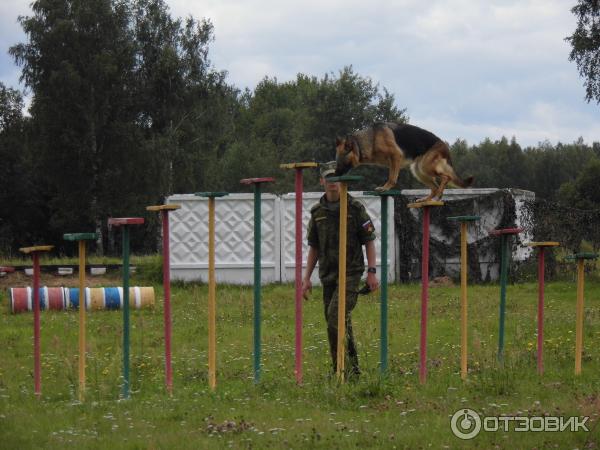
x: 397, y: 146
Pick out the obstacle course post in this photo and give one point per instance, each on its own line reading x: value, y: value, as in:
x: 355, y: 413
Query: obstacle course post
x: 341, y: 338
x: 212, y: 340
x: 464, y: 221
x: 426, y: 205
x: 164, y: 214
x: 81, y: 238
x: 257, y: 267
x: 383, y: 342
x: 540, y: 315
x: 37, y: 366
x: 125, y: 222
x: 298, y: 167
x: 580, y: 258
x: 212, y: 306
x: 504, y: 234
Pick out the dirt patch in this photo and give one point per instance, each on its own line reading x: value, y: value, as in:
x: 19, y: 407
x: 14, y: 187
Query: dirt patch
x: 19, y: 279
x: 441, y: 282
x: 590, y: 406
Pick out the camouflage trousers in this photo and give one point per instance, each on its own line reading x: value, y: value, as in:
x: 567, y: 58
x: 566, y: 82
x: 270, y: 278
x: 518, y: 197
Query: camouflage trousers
x: 330, y: 302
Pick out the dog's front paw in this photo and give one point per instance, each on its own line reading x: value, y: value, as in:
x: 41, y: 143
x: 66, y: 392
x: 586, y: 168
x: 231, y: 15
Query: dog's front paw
x: 385, y: 187
x: 424, y: 199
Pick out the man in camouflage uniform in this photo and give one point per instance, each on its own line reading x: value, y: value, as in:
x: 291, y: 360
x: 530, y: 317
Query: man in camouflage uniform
x: 323, y: 241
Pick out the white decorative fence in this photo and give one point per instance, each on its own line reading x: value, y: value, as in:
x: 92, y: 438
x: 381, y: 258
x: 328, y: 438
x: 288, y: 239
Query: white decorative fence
x: 234, y: 236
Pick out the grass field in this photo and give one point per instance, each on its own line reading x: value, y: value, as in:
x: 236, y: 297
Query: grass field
x: 394, y: 412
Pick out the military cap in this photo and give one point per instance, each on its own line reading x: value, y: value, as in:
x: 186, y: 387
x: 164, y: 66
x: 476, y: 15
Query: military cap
x: 327, y: 169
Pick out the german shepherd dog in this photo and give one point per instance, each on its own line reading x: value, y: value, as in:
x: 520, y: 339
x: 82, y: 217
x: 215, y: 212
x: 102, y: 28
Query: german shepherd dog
x: 396, y: 146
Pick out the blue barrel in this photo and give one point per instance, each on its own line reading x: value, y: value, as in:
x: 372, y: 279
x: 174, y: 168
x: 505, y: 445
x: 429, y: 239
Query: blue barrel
x: 43, y: 297
x: 112, y: 298
x: 72, y: 298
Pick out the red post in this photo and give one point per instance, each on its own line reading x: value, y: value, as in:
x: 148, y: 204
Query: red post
x: 298, y: 167
x: 424, y: 296
x: 540, y: 315
x: 540, y: 342
x: 37, y: 366
x: 164, y: 214
x: 37, y: 371
x: 298, y: 275
x: 426, y: 205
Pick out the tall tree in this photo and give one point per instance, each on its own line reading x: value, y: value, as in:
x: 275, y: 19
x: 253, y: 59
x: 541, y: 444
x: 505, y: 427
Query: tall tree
x: 76, y: 62
x: 585, y: 42
x: 583, y: 192
x: 19, y: 213
x: 126, y: 103
x: 299, y: 120
x: 177, y: 91
x: 11, y: 107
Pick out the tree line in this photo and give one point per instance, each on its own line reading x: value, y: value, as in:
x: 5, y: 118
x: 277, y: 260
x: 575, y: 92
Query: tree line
x: 127, y: 108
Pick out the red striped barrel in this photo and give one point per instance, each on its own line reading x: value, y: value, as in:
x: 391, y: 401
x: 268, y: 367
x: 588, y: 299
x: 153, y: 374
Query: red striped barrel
x: 59, y: 298
x: 55, y: 299
x: 20, y: 299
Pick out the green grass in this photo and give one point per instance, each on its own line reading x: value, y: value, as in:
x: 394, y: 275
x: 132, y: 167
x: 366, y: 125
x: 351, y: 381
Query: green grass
x: 56, y: 260
x: 395, y: 412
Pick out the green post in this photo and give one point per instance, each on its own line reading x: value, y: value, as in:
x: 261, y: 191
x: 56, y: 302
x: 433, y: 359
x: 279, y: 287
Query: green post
x: 383, y: 357
x: 125, y: 222
x: 383, y: 353
x: 504, y: 243
x: 125, y: 312
x: 503, y: 281
x: 257, y: 269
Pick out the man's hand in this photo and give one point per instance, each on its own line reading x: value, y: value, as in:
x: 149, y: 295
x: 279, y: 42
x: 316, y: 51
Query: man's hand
x: 372, y: 281
x: 306, y: 288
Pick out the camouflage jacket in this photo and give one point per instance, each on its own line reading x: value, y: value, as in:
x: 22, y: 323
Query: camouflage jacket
x: 323, y: 234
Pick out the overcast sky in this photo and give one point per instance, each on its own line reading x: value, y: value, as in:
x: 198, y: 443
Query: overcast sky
x: 466, y: 69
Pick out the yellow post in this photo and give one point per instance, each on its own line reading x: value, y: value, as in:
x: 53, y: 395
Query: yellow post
x: 464, y: 220
x: 212, y: 341
x: 341, y: 347
x: 81, y: 238
x: 579, y: 317
x: 81, y: 320
x: 212, y: 309
x: 463, y: 300
x: 580, y: 258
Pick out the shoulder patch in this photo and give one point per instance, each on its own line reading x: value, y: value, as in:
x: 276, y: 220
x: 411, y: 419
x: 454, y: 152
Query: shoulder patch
x: 368, y: 226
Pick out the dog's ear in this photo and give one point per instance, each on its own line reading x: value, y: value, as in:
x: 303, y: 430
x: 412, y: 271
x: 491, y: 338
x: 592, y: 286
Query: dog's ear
x: 349, y: 144
x: 338, y: 141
